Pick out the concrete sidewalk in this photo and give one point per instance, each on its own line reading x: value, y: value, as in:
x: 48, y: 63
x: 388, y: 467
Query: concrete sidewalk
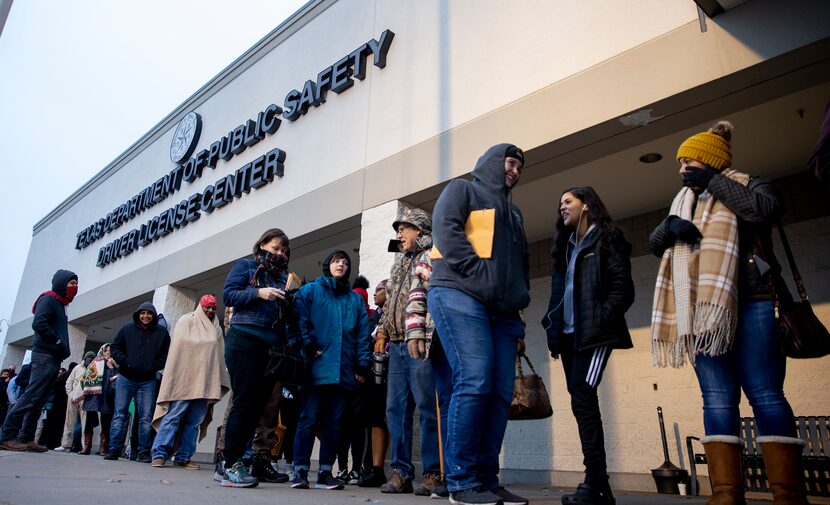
x: 70, y: 479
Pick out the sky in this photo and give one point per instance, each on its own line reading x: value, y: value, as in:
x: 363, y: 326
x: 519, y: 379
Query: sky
x: 66, y: 66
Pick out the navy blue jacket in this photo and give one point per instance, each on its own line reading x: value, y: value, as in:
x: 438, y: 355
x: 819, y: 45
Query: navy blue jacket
x: 141, y: 352
x: 249, y: 309
x: 50, y: 321
x: 501, y: 282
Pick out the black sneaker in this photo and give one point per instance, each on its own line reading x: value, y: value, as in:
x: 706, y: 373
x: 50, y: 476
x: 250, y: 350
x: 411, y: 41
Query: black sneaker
x: 300, y: 480
x: 354, y: 476
x: 343, y: 476
x: 372, y: 478
x: 509, y: 498
x: 263, y: 471
x: 219, y: 471
x: 144, y: 457
x: 475, y: 496
x: 325, y: 480
x: 587, y: 495
x: 111, y: 456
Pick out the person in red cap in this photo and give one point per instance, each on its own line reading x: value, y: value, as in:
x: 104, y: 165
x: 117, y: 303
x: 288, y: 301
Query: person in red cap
x: 194, y: 380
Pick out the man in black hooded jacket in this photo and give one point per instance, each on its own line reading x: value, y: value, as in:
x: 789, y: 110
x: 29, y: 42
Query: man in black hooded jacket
x: 139, y: 350
x: 50, y: 347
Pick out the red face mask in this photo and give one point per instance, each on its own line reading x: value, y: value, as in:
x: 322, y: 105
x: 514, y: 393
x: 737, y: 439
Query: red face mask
x: 71, y: 291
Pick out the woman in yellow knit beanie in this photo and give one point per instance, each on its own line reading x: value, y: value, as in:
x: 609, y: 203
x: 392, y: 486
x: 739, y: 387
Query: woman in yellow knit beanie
x: 713, y: 307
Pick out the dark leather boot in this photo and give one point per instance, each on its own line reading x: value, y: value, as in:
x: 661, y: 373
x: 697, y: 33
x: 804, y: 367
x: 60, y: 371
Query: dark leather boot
x: 785, y: 473
x: 723, y: 454
x: 105, y: 444
x: 87, y: 444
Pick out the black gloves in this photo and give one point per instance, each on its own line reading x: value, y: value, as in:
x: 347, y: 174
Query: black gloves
x: 684, y: 230
x: 362, y: 371
x: 311, y: 349
x: 695, y: 177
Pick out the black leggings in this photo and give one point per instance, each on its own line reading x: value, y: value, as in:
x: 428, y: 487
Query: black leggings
x: 583, y: 373
x: 246, y: 357
x: 92, y: 421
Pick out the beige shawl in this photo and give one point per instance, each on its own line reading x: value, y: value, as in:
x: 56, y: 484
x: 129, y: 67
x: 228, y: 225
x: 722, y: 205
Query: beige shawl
x: 695, y: 298
x: 195, y: 367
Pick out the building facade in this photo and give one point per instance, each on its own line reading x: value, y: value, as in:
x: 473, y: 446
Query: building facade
x: 351, y: 109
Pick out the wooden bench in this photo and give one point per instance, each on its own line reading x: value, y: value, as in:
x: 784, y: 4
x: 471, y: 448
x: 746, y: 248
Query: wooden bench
x: 816, y: 459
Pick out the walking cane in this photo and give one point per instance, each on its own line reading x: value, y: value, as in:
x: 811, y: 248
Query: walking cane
x: 440, y: 441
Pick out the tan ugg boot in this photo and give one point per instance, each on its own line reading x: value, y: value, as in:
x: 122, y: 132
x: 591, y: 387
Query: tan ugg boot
x: 785, y: 473
x: 723, y: 455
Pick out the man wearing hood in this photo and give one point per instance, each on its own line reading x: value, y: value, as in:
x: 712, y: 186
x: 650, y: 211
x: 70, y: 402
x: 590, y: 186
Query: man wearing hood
x: 334, y: 327
x: 139, y: 350
x: 194, y: 380
x: 410, y: 381
x: 50, y: 347
x: 479, y: 284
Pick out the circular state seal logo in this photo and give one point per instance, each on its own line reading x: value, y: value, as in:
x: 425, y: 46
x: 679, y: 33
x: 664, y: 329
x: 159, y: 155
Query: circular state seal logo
x: 185, y: 138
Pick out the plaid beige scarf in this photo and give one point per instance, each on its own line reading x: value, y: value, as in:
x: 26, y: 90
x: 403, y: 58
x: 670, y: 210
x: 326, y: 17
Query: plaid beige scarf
x: 696, y: 294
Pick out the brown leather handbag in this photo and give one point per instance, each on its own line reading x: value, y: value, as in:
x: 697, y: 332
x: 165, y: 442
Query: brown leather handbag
x: 530, y: 397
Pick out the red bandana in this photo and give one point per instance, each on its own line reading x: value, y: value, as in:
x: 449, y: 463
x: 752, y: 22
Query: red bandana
x: 50, y: 293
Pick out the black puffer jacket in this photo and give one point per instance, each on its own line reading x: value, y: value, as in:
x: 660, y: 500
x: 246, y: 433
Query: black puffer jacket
x: 603, y: 292
x: 140, y: 352
x: 757, y: 206
x: 50, y: 321
x: 500, y: 282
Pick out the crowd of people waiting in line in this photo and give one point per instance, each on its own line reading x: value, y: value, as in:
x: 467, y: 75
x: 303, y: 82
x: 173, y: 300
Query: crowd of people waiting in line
x: 449, y: 322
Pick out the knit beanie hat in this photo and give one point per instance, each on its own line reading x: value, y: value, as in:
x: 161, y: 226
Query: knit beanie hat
x: 90, y: 354
x: 710, y: 147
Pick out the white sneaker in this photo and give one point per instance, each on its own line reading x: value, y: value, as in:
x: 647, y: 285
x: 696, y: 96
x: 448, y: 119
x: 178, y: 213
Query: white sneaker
x: 61, y: 449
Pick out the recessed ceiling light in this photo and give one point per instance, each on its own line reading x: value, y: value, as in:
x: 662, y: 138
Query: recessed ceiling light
x: 106, y: 327
x: 651, y: 158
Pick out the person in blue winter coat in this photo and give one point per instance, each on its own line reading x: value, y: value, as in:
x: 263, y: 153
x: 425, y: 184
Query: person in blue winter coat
x: 51, y: 346
x: 334, y: 326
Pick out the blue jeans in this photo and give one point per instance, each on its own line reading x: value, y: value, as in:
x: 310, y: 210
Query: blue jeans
x: 755, y: 364
x: 187, y: 414
x: 125, y: 391
x: 480, y: 347
x: 324, y: 405
x: 442, y: 374
x: 409, y: 384
x: 21, y: 420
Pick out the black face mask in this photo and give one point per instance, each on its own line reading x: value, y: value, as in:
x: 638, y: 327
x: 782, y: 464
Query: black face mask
x: 281, y: 262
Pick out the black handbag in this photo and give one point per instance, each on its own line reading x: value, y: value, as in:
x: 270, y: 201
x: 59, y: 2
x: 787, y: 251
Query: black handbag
x: 288, y: 365
x: 801, y: 333
x: 530, y: 397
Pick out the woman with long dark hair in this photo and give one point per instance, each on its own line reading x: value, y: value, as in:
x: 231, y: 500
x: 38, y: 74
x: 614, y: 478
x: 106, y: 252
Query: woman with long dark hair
x: 591, y: 289
x: 255, y: 288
